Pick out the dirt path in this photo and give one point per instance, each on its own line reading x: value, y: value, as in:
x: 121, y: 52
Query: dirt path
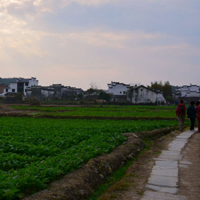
x: 190, y: 171
x: 132, y: 186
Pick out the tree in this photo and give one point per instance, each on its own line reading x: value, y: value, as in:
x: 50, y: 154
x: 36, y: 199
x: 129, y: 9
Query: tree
x: 130, y: 93
x: 80, y: 96
x: 157, y: 86
x: 93, y: 88
x: 93, y: 85
x: 104, y: 95
x: 166, y: 88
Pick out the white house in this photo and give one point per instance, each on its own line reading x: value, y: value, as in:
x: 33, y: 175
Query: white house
x: 117, y: 88
x: 142, y: 94
x: 20, y: 85
x: 118, y: 91
x: 187, y: 91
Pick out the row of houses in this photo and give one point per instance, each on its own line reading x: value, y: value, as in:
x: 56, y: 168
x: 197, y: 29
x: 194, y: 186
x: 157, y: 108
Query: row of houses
x: 119, y: 91
x: 29, y: 87
x: 186, y: 91
x: 52, y: 92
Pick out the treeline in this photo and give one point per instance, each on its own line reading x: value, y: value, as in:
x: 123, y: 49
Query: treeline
x: 165, y: 88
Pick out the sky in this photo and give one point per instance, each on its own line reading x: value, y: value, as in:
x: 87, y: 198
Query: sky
x: 80, y: 43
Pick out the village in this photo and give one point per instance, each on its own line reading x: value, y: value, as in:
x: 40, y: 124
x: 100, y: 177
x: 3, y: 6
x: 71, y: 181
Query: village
x: 116, y: 92
x: 63, y: 135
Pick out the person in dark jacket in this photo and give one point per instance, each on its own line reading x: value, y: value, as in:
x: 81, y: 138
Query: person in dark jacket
x: 191, y: 113
x: 198, y: 114
x: 180, y: 113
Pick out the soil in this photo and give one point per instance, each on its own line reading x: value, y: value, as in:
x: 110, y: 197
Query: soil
x: 30, y: 113
x: 190, y: 175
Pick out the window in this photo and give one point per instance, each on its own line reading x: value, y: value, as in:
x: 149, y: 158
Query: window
x: 6, y: 90
x: 26, y: 84
x: 124, y: 92
x: 141, y: 89
x: 120, y: 92
x: 13, y: 90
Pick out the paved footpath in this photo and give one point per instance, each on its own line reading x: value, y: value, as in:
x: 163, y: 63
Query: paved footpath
x: 163, y: 181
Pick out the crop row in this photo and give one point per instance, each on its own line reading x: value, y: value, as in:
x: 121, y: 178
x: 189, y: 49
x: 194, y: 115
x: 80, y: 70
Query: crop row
x: 35, y: 151
x: 105, y: 111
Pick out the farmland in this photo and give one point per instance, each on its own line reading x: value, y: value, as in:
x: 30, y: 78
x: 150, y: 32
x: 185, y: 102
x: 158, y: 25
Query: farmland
x: 36, y: 151
x: 104, y: 111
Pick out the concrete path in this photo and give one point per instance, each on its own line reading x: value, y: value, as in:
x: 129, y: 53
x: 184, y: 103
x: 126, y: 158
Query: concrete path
x: 163, y: 181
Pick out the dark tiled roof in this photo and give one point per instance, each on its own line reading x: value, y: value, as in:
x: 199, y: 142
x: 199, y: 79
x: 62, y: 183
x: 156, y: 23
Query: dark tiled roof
x: 23, y: 80
x: 7, y: 81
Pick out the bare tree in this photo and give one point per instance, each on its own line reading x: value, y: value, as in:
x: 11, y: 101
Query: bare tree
x: 93, y: 86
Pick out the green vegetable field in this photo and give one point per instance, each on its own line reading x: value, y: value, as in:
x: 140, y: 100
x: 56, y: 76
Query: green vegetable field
x: 36, y: 151
x: 106, y: 111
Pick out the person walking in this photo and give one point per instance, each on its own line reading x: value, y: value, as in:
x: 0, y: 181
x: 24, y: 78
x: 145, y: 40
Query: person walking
x: 198, y: 114
x: 180, y: 113
x: 191, y: 113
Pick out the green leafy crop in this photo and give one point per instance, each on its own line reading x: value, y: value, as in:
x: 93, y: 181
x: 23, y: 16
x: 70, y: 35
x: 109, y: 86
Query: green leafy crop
x: 35, y: 151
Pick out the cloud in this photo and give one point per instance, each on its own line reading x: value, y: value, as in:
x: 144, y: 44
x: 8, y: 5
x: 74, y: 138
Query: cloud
x: 15, y: 35
x: 76, y: 42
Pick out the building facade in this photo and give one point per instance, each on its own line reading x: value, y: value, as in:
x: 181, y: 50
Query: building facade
x: 187, y: 92
x: 19, y: 85
x: 118, y: 91
x: 53, y: 92
x: 117, y: 88
x: 144, y: 95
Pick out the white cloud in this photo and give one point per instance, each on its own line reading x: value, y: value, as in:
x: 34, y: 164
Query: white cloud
x: 110, y: 39
x: 15, y: 35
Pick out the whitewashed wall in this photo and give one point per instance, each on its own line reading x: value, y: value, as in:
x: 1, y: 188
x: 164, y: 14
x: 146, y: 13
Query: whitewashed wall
x: 32, y: 82
x: 143, y: 95
x: 118, y: 89
x: 189, y: 91
x: 11, y: 87
x: 160, y: 98
x: 194, y: 88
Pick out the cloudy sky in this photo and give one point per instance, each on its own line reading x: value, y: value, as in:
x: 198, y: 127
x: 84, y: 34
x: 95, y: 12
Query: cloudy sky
x: 79, y: 42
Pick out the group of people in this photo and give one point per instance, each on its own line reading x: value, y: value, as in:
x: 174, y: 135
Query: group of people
x: 193, y: 112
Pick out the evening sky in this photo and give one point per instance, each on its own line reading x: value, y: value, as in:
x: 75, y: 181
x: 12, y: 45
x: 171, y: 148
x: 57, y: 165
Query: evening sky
x: 79, y: 42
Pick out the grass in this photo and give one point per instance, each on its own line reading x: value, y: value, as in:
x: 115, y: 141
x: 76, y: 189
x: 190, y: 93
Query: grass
x: 117, y: 176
